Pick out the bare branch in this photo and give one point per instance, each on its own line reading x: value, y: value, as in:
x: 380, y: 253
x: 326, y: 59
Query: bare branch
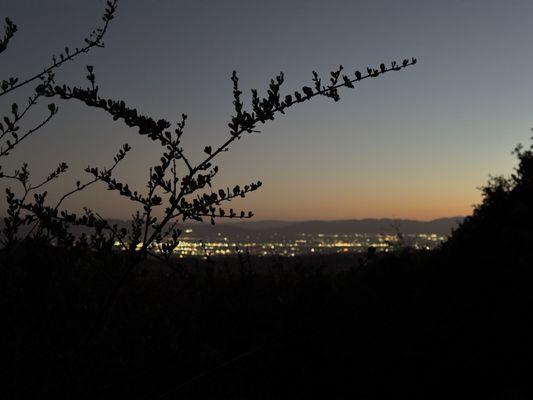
x: 95, y: 39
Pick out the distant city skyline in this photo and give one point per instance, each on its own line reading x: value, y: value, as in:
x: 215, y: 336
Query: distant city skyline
x: 413, y: 144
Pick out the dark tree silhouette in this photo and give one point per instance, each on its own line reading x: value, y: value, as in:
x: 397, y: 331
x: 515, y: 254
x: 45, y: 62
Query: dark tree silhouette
x: 504, y: 217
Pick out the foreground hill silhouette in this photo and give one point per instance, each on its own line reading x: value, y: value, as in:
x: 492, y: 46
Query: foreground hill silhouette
x: 450, y: 323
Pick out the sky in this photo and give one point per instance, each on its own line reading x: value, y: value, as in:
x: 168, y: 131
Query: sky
x: 412, y: 144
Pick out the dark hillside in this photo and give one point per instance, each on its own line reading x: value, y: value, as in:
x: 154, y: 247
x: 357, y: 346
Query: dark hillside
x: 450, y: 323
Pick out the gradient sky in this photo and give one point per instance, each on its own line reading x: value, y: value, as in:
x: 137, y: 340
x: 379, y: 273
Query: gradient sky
x: 412, y: 144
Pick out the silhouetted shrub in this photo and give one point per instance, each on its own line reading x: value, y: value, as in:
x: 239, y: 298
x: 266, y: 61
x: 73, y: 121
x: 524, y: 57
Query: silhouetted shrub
x: 182, y: 189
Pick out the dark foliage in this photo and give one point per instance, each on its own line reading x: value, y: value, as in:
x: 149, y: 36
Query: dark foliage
x: 53, y: 273
x: 187, y: 197
x: 26, y: 206
x: 450, y: 323
x: 181, y: 189
x: 82, y: 320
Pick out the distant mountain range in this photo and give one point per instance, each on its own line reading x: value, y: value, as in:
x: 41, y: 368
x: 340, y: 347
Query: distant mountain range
x: 287, y: 229
x: 262, y: 230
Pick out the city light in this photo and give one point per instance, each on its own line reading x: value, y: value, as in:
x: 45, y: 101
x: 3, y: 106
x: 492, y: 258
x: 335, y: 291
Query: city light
x: 304, y: 244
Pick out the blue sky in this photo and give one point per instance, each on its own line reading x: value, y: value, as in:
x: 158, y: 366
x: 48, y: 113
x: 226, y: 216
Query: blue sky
x: 413, y: 144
